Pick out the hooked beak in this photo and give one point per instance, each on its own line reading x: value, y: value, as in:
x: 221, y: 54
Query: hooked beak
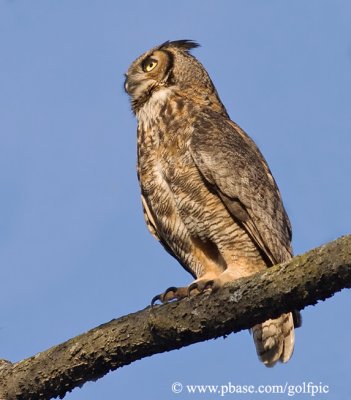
x: 126, y: 83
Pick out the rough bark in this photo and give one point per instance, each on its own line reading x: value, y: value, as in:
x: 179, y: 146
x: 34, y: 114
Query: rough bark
x: 302, y: 281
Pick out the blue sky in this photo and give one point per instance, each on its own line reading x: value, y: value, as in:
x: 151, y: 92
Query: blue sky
x: 74, y: 249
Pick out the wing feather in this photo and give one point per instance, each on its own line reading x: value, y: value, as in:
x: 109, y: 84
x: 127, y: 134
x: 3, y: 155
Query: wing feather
x: 234, y: 167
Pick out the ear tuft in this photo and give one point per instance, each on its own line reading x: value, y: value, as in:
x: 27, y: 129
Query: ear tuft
x: 184, y: 45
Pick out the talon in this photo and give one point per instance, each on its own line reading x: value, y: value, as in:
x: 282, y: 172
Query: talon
x: 202, y: 286
x: 192, y: 287
x: 209, y: 285
x: 172, y: 293
x: 171, y: 289
x: 155, y: 298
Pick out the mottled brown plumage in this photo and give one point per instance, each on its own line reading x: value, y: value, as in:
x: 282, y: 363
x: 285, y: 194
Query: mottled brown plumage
x: 207, y: 192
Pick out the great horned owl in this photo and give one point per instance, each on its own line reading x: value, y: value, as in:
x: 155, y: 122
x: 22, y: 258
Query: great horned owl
x: 207, y: 192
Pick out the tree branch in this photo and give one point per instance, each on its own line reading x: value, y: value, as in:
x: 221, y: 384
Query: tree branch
x: 296, y: 284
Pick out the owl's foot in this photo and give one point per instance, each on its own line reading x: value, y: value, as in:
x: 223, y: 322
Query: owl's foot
x: 203, y: 285
x: 211, y: 285
x: 172, y: 293
x: 209, y: 281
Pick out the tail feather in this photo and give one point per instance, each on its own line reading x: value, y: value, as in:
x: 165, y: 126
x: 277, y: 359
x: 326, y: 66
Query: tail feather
x: 274, y: 339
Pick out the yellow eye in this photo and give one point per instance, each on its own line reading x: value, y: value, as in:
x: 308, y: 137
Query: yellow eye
x: 149, y: 64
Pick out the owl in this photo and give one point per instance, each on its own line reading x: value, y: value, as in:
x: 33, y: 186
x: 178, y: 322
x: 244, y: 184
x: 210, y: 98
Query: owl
x: 207, y: 192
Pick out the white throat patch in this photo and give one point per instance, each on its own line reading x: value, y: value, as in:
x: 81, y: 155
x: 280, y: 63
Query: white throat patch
x: 151, y: 109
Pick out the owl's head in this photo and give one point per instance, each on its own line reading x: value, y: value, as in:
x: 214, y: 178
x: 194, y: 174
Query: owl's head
x: 171, y: 66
